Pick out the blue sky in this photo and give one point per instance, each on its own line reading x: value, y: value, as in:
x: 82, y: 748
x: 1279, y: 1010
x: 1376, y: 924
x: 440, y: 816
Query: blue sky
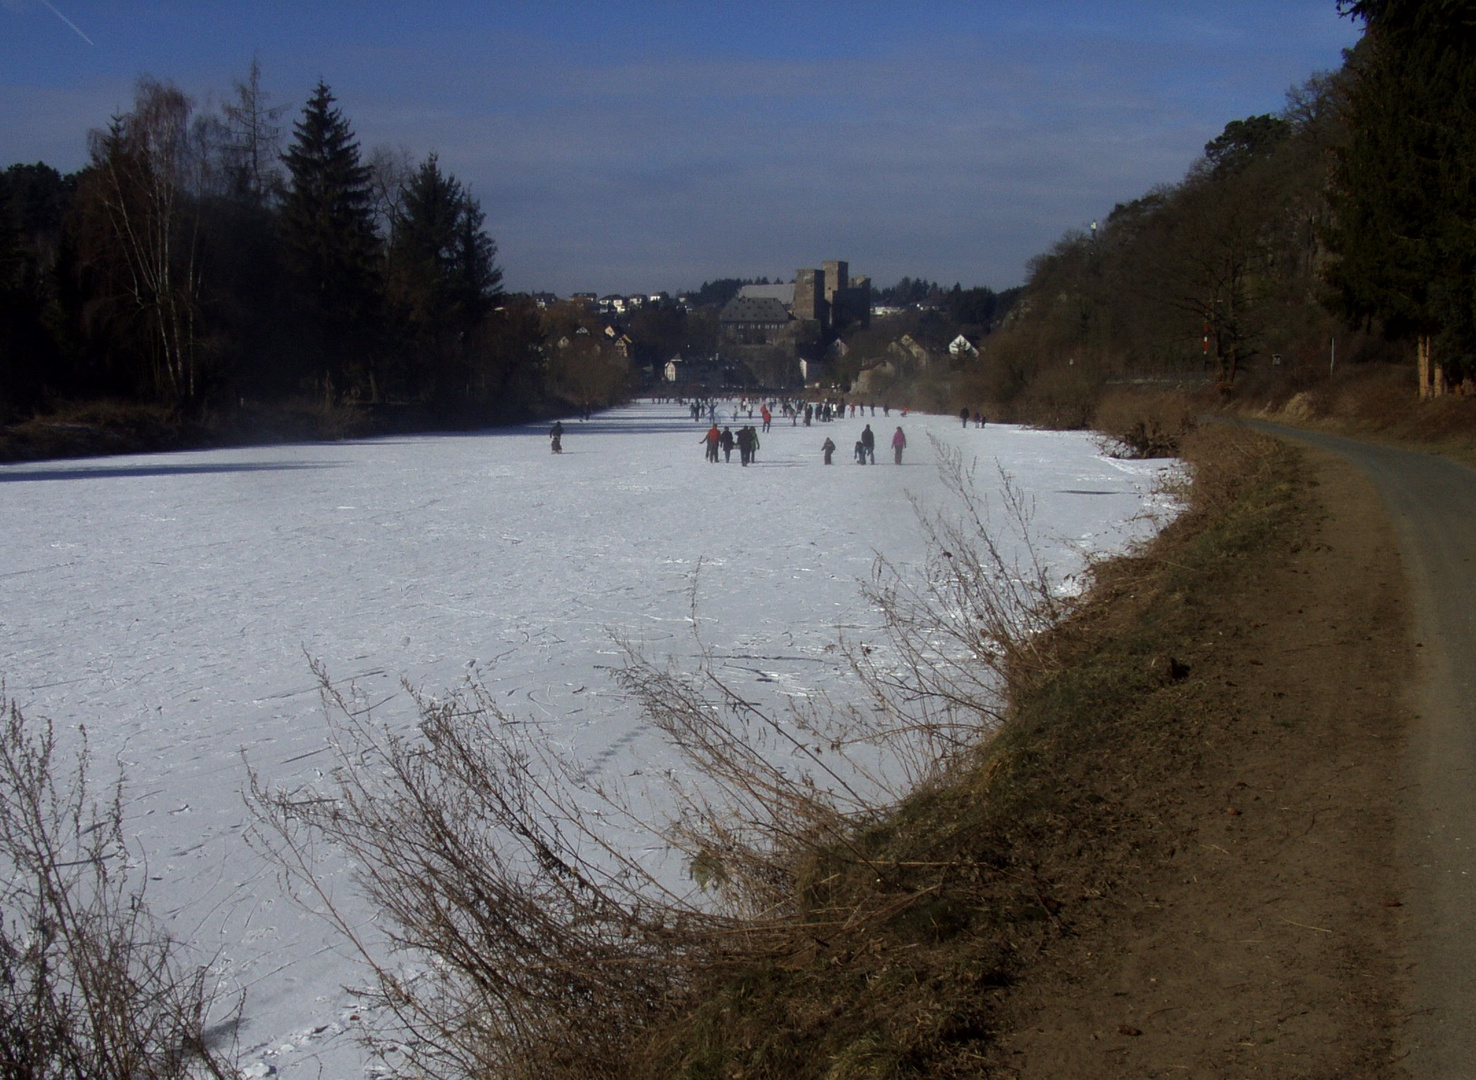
x: 643, y: 146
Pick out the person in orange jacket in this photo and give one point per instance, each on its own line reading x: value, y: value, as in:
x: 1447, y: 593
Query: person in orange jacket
x: 711, y: 439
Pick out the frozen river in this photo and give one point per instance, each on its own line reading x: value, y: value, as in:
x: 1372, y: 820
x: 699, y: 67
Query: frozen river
x: 170, y: 603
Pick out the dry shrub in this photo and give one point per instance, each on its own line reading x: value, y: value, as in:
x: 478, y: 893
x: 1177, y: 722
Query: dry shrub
x: 90, y: 985
x: 933, y: 391
x: 1062, y: 397
x: 103, y: 426
x: 782, y: 789
x: 322, y: 417
x: 1145, y: 423
x: 972, y: 618
x: 516, y: 941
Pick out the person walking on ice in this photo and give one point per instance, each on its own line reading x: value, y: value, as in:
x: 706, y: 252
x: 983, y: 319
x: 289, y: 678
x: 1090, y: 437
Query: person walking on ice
x: 556, y: 437
x: 899, y: 443
x: 828, y: 448
x: 711, y: 441
x: 868, y: 440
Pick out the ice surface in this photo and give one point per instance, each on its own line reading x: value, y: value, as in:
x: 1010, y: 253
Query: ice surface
x: 170, y: 602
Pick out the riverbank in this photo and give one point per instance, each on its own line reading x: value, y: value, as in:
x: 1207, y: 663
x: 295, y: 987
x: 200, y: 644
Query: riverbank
x: 1247, y: 825
x: 1175, y: 858
x: 105, y: 427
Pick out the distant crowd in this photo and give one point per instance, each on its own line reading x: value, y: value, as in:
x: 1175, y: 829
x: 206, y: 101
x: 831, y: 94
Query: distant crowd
x: 720, y: 441
x: 793, y: 410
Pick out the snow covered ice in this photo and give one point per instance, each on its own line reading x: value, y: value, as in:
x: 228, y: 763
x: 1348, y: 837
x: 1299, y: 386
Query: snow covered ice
x: 170, y: 603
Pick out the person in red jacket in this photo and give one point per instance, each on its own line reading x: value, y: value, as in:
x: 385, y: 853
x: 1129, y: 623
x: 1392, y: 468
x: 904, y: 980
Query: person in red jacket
x: 711, y: 439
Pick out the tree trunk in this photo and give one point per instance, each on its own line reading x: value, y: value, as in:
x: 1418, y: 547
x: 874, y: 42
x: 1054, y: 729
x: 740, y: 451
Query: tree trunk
x: 1432, y: 375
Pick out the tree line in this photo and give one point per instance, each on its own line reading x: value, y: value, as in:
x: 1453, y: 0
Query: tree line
x: 196, y: 261
x: 1335, y: 230
x: 1404, y: 225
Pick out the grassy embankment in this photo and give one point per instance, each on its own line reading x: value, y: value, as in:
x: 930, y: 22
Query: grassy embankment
x: 1024, y: 845
x: 1376, y: 402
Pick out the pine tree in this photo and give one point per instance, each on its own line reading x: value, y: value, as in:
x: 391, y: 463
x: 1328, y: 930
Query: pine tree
x: 423, y: 247
x: 476, y: 280
x: 443, y: 276
x: 327, y: 218
x: 1402, y: 194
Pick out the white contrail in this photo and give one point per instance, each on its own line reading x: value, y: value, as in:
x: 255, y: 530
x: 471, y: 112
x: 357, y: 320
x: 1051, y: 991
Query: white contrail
x: 68, y: 21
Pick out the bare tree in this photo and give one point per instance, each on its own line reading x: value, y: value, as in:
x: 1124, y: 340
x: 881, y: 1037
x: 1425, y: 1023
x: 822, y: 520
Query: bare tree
x: 254, y: 139
x: 143, y: 164
x: 390, y: 171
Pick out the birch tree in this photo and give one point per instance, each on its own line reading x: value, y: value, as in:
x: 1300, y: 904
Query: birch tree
x: 141, y: 166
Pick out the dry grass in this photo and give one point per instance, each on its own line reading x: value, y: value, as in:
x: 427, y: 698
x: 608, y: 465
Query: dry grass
x: 992, y: 862
x: 1373, y: 401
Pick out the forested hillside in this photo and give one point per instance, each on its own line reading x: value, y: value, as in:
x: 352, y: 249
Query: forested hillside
x: 1334, y: 232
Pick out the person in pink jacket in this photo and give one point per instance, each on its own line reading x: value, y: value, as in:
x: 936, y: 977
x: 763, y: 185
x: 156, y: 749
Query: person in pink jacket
x: 899, y: 443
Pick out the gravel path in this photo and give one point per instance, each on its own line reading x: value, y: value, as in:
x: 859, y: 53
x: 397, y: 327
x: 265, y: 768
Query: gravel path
x: 1432, y: 502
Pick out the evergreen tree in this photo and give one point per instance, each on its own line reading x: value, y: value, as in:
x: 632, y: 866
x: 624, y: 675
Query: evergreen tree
x: 476, y: 280
x: 1242, y: 142
x: 443, y: 277
x: 327, y: 218
x: 1402, y: 195
x: 13, y: 314
x: 423, y: 246
x: 34, y: 199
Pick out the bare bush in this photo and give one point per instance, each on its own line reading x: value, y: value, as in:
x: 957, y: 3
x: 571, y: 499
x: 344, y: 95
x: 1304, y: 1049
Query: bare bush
x: 780, y: 788
x: 969, y: 621
x: 90, y: 986
x: 1145, y: 424
x: 517, y: 939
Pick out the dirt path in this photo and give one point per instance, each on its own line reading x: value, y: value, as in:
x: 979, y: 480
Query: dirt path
x: 1258, y: 927
x: 1433, y: 505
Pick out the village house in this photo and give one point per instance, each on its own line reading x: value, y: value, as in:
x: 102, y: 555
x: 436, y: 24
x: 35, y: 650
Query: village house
x: 910, y: 352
